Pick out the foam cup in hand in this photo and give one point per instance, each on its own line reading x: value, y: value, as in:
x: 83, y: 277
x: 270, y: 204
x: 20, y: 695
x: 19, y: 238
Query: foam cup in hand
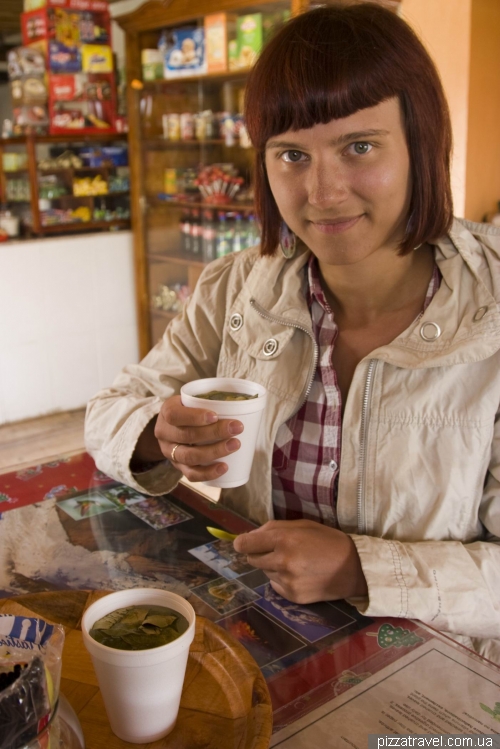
x: 249, y: 412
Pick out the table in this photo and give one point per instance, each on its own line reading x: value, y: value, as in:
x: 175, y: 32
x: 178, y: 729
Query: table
x: 66, y: 526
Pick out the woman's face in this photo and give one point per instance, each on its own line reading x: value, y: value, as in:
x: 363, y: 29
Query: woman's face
x: 344, y: 187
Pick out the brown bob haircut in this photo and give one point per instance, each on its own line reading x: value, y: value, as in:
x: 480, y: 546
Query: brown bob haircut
x: 332, y: 61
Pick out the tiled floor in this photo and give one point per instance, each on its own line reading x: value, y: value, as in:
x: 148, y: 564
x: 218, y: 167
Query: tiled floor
x: 25, y: 443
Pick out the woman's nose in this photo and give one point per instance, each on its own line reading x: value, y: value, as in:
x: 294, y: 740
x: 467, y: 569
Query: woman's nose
x: 326, y: 185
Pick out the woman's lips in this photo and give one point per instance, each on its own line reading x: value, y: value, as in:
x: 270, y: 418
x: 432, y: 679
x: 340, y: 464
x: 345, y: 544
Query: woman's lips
x: 337, y: 226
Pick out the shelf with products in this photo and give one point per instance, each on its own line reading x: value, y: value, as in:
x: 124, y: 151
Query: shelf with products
x: 180, y: 126
x: 68, y: 185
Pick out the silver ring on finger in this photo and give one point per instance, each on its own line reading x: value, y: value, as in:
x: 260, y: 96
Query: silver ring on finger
x: 172, y: 454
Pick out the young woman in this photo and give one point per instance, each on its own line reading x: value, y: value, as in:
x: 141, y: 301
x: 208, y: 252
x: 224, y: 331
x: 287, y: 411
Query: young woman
x: 375, y: 330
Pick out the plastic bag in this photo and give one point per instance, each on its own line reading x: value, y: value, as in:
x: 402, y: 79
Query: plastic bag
x: 30, y: 658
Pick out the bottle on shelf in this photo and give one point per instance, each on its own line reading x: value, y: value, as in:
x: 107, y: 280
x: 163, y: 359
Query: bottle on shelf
x: 221, y: 243
x: 238, y: 234
x: 209, y: 236
x: 185, y: 229
x: 196, y: 233
x: 253, y: 236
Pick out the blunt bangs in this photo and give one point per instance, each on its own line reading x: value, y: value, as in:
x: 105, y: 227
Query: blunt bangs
x: 331, y: 62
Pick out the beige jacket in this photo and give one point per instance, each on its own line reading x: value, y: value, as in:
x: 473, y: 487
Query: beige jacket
x: 419, y: 487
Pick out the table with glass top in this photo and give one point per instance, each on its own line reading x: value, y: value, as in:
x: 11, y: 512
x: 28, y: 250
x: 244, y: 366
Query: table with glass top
x: 333, y: 675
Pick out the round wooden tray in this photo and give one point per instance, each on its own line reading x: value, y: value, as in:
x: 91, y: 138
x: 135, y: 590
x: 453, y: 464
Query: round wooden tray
x: 225, y: 703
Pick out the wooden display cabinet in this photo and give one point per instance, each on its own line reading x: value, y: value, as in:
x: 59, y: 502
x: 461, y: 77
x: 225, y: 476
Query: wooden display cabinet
x: 160, y: 262
x: 31, y: 174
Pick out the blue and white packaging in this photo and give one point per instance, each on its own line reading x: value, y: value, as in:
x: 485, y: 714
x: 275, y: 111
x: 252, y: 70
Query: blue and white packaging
x: 185, y: 53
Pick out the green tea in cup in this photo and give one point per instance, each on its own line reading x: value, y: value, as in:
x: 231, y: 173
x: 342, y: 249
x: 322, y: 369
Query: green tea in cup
x: 221, y: 395
x: 139, y: 627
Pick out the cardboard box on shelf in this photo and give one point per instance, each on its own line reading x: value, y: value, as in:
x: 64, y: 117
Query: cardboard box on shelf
x: 249, y: 36
x: 97, y: 58
x: 63, y: 59
x: 152, y: 64
x: 220, y: 29
x: 184, y: 52
x: 25, y: 61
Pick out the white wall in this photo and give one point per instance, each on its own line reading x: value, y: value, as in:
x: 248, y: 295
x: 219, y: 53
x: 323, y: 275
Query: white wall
x: 67, y: 320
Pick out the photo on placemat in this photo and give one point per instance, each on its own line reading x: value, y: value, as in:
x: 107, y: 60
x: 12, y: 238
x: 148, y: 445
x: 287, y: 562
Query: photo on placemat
x: 158, y: 512
x: 263, y: 638
x: 225, y: 595
x: 123, y: 496
x: 86, y: 505
x: 222, y: 557
x: 311, y: 622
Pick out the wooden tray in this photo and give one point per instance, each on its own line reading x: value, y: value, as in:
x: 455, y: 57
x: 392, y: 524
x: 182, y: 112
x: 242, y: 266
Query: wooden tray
x: 225, y: 703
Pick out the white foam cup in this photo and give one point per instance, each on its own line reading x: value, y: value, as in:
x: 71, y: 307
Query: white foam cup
x: 141, y: 689
x: 249, y: 412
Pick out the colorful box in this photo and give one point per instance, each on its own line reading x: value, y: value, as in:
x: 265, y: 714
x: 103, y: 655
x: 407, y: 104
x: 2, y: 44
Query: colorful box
x: 84, y: 102
x: 97, y: 58
x: 69, y: 26
x: 25, y: 61
x: 152, y: 64
x: 249, y: 36
x: 185, y: 53
x: 220, y: 29
x: 63, y: 59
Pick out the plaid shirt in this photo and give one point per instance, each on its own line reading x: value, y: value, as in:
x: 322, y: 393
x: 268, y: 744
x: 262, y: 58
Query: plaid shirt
x: 306, y: 455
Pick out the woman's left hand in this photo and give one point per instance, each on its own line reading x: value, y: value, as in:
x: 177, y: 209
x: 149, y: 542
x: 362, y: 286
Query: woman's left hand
x: 305, y: 561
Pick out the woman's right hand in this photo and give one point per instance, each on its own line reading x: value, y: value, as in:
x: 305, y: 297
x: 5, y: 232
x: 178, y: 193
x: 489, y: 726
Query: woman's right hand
x: 199, y: 438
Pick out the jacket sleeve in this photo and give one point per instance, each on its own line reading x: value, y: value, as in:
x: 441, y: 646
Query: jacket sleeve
x: 188, y: 350
x: 451, y: 586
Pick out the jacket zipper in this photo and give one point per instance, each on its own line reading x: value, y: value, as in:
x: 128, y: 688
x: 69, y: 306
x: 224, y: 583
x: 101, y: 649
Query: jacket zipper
x: 283, y: 321
x: 367, y: 396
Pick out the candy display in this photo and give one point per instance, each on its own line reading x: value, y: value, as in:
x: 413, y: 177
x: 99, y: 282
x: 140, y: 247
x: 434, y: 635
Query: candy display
x: 74, y: 36
x: 218, y: 183
x: 26, y: 69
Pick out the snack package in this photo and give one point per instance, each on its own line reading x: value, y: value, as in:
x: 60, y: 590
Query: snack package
x: 249, y: 37
x: 184, y: 52
x: 220, y: 28
x: 30, y: 671
x: 97, y: 58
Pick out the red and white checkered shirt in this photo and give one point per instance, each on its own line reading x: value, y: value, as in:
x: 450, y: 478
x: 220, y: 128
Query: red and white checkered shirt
x: 306, y: 455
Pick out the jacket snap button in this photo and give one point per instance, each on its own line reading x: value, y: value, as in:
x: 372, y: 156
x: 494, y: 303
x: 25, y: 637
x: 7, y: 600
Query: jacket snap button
x: 270, y: 347
x: 480, y: 314
x: 236, y: 321
x: 430, y: 331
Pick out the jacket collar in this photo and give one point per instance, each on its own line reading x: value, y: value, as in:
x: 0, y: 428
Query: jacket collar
x: 464, y: 310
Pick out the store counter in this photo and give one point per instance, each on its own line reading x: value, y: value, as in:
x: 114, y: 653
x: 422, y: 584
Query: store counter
x: 68, y: 320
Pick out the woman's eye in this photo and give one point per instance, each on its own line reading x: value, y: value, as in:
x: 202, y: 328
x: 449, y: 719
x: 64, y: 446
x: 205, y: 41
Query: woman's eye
x: 361, y: 148
x: 292, y: 156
